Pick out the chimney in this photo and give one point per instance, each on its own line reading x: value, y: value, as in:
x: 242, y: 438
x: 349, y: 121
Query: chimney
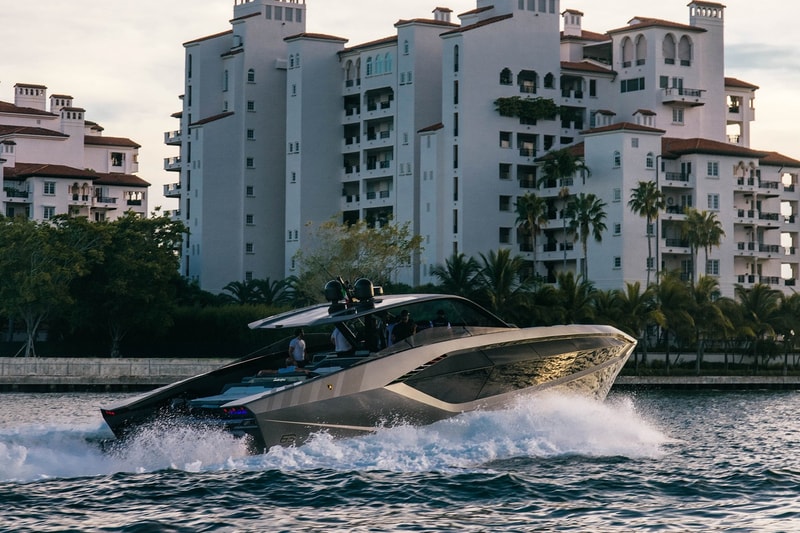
x: 442, y: 14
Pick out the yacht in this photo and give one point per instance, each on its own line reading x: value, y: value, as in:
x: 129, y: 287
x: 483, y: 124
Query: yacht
x: 457, y: 357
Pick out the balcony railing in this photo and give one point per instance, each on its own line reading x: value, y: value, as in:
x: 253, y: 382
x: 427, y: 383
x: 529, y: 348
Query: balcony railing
x: 172, y: 137
x: 677, y: 176
x: 15, y: 193
x: 677, y: 243
x: 172, y: 163
x: 172, y: 190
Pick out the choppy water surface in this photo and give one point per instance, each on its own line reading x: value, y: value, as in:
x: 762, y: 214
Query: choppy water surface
x: 647, y: 461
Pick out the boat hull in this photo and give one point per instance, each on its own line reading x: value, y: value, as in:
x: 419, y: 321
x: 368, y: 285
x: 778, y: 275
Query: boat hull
x: 431, y: 382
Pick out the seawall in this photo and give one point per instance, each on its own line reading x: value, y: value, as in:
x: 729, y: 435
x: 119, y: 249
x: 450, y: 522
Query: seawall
x: 43, y: 374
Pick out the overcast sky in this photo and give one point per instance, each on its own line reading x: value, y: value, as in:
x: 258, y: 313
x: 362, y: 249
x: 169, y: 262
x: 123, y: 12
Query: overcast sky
x: 123, y: 61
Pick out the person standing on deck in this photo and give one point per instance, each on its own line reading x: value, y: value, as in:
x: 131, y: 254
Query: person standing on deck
x: 297, y: 348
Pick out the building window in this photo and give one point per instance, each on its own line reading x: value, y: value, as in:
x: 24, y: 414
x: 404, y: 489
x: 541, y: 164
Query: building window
x: 712, y: 267
x: 248, y: 248
x: 632, y: 85
x: 634, y: 142
x: 248, y: 276
x: 369, y: 66
x: 617, y: 159
x: 617, y: 228
x: 455, y: 220
x: 505, y: 235
x: 505, y: 139
x: 48, y: 212
x: 251, y: 76
x: 617, y: 195
x: 405, y: 48
x: 249, y: 191
x: 713, y: 202
x: 455, y: 58
x: 49, y: 188
x: 455, y: 92
x: 593, y: 88
x: 650, y: 262
x: 294, y: 177
x: 117, y: 159
x: 455, y: 188
x: 225, y: 78
x: 713, y: 169
x: 649, y: 161
x: 248, y: 219
x: 250, y: 162
x: 506, y: 78
x: 677, y: 115
x: 505, y: 203
x: 251, y: 105
x: 455, y: 156
x: 251, y: 135
x: 617, y: 262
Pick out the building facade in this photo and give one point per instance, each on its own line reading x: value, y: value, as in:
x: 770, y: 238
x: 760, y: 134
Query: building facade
x: 55, y: 162
x: 282, y: 129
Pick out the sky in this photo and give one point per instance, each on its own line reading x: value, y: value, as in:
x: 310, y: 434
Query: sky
x: 123, y: 61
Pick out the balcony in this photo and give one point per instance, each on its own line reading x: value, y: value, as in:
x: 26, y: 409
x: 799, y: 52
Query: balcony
x: 172, y: 190
x: 80, y: 199
x: 173, y: 138
x: 17, y: 196
x: 681, y: 177
x: 682, y: 97
x: 104, y: 202
x: 172, y: 164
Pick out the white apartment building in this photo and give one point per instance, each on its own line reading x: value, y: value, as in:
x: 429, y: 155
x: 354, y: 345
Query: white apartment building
x: 281, y: 129
x: 53, y: 161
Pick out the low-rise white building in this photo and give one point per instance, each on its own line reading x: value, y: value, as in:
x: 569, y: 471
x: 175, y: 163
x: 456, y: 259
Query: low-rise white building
x: 54, y: 161
x: 281, y: 129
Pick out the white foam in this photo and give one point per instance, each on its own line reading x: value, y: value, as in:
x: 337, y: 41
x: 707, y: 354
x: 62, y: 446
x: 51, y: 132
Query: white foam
x: 539, y: 427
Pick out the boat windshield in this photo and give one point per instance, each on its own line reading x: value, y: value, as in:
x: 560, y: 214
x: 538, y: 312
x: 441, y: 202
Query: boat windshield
x: 431, y: 320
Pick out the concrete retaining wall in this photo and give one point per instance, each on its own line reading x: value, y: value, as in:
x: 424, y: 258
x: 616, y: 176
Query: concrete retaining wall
x: 60, y: 371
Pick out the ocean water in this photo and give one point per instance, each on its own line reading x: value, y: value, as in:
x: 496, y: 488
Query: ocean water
x: 646, y: 461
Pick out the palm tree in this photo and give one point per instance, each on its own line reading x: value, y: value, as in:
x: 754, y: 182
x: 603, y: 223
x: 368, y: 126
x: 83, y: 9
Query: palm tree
x: 647, y: 201
x: 577, y: 298
x: 586, y: 218
x: 241, y: 292
x: 708, y: 316
x: 674, y: 302
x: 703, y: 230
x: 457, y: 276
x: 531, y: 217
x: 760, y: 305
x: 276, y: 292
x: 789, y: 325
x: 502, y: 288
x: 638, y: 311
x: 559, y: 165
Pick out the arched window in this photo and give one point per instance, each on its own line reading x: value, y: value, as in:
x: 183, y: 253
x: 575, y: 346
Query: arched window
x: 506, y: 78
x: 456, y: 59
x: 251, y: 75
x: 549, y: 81
x: 641, y: 50
x: 291, y: 61
x: 627, y: 52
x: 405, y: 48
x: 369, y: 66
x: 617, y: 159
x: 649, y: 160
x: 387, y: 62
x: 668, y: 49
x: 348, y: 70
x: 378, y: 64
x: 685, y: 51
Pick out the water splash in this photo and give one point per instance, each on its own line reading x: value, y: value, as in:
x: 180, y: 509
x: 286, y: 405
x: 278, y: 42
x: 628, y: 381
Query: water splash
x: 538, y: 427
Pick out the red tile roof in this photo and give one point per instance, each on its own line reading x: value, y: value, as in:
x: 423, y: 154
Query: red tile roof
x: 647, y: 22
x: 586, y: 36
x: 775, y: 159
x: 673, y: 148
x: 42, y: 170
x: 208, y: 37
x: 377, y: 42
x: 733, y: 82
x: 480, y: 24
x: 318, y: 36
x: 585, y: 66
x: 29, y: 130
x: 30, y: 170
x: 623, y: 126
x: 7, y: 107
x: 98, y: 140
x: 126, y: 180
x: 432, y: 127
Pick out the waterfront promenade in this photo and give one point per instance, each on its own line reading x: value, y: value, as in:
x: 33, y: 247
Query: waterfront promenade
x: 137, y: 374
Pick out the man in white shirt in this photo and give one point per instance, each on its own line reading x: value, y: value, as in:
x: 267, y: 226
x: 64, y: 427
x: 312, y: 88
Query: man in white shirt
x: 297, y: 348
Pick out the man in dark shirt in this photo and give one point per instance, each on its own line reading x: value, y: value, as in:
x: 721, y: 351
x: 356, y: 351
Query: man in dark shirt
x: 404, y: 328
